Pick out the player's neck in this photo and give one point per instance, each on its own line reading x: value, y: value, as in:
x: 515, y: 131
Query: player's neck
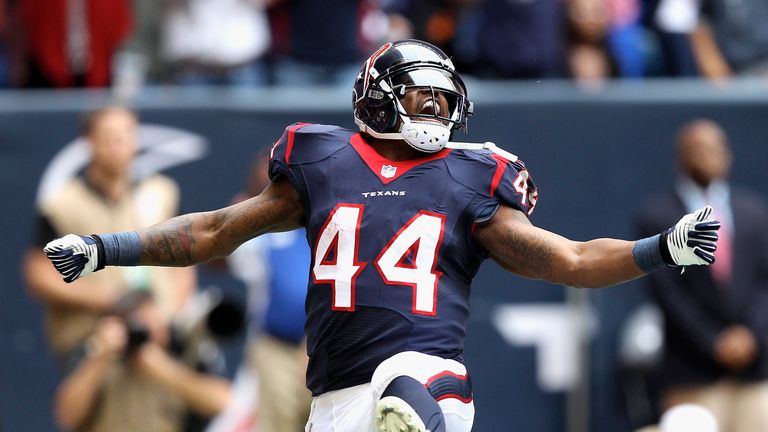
x: 394, y: 150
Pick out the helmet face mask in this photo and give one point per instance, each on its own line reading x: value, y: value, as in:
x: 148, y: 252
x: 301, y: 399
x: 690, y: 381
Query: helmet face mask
x: 444, y: 101
x: 409, y: 90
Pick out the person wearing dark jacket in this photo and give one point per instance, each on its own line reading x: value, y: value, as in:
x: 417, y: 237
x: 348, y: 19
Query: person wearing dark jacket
x: 715, y: 318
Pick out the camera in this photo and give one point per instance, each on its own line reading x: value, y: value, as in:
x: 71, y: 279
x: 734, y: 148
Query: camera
x: 138, y: 334
x: 209, y: 317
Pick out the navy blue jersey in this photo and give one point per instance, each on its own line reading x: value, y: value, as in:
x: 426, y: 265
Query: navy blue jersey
x: 392, y: 248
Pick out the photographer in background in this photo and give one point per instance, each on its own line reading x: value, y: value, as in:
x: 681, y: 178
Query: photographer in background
x: 103, y: 390
x: 127, y: 380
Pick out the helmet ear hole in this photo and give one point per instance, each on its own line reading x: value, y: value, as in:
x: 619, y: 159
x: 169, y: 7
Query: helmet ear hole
x: 380, y: 116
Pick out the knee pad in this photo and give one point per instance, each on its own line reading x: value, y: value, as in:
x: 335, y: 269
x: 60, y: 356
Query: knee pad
x: 416, y: 396
x: 447, y: 382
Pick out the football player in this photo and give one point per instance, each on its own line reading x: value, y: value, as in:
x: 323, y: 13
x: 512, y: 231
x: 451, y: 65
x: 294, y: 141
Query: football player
x: 399, y: 219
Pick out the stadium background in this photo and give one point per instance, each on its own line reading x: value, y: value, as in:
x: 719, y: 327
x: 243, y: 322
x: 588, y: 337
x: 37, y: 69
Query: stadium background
x: 595, y: 156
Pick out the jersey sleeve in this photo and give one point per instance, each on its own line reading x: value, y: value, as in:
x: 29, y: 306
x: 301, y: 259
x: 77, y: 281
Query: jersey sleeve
x: 515, y: 187
x: 510, y: 184
x: 301, y: 152
x: 282, y: 150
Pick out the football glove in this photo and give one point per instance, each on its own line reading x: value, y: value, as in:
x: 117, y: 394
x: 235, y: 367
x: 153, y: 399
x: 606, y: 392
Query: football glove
x: 74, y: 255
x: 692, y: 241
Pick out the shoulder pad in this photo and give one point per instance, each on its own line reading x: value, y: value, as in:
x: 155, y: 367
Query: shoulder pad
x: 303, y: 143
x: 473, y: 168
x: 495, y: 176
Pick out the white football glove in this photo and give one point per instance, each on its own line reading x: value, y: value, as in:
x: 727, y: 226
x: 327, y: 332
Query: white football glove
x: 74, y: 256
x: 692, y: 241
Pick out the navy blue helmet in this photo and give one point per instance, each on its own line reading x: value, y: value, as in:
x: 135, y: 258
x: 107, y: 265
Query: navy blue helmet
x: 396, y: 69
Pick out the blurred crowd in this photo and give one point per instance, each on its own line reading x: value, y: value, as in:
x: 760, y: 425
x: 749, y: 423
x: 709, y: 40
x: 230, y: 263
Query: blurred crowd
x: 132, y: 43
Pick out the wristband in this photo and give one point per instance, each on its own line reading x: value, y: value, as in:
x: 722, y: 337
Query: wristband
x: 664, y: 247
x: 100, y: 253
x: 648, y: 254
x: 120, y: 249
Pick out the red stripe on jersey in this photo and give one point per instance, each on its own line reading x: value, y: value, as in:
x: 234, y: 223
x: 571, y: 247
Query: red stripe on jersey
x: 377, y: 162
x: 291, y: 131
x: 501, y: 166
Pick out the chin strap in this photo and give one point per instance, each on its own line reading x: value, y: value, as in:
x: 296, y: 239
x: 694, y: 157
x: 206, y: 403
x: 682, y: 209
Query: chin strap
x: 482, y: 146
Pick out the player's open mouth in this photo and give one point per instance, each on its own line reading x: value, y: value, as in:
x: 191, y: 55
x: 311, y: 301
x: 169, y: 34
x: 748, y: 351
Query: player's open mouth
x: 430, y: 107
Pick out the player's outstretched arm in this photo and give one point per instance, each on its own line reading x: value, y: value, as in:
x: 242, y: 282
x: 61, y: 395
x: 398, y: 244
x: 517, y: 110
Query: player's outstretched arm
x: 181, y: 241
x: 201, y: 237
x: 532, y: 252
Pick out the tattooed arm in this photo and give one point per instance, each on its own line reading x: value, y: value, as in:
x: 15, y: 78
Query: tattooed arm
x: 200, y: 237
x: 181, y: 241
x: 521, y: 248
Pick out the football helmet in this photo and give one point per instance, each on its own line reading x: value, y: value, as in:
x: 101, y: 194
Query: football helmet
x: 390, y: 75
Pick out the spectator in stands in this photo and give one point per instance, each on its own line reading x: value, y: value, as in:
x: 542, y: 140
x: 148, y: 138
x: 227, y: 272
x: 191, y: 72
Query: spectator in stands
x: 195, y: 42
x: 605, y: 40
x: 105, y: 389
x: 626, y: 40
x: 603, y: 36
x: 446, y: 24
x: 669, y: 24
x: 716, y: 318
x: 216, y: 41
x: 275, y: 269
x: 70, y: 43
x: 322, y: 40
x: 138, y: 62
x: 521, y: 40
x: 731, y: 38
x: 589, y: 61
x: 716, y: 39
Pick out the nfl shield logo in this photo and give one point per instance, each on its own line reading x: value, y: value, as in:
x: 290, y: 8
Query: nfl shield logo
x: 388, y: 171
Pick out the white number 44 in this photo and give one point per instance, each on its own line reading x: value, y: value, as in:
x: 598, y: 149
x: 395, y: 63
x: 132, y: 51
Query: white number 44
x: 336, y: 257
